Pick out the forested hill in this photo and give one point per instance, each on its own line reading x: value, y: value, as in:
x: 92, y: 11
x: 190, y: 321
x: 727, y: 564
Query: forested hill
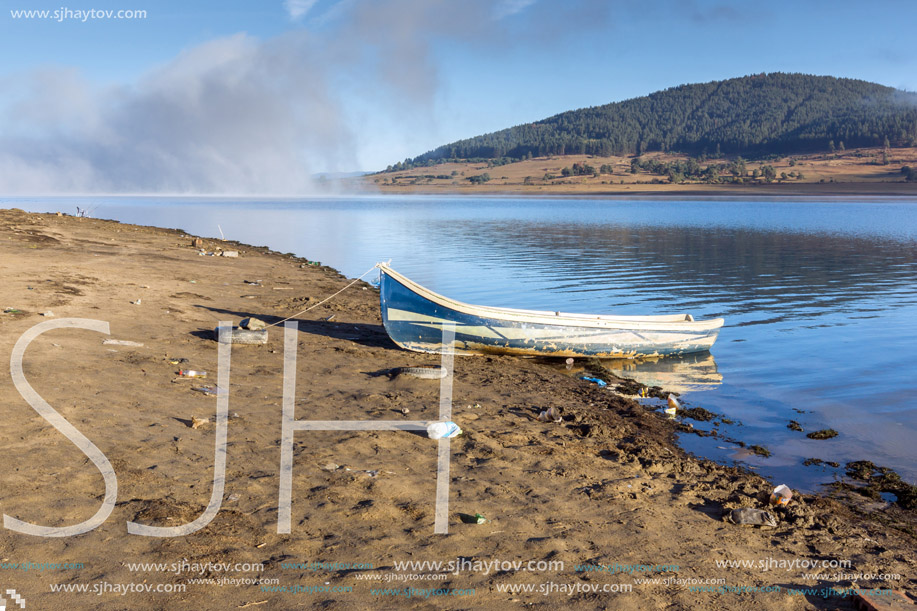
x: 753, y: 115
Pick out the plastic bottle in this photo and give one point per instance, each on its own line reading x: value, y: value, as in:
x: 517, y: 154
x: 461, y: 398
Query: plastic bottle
x: 443, y: 430
x: 781, y: 495
x: 191, y: 373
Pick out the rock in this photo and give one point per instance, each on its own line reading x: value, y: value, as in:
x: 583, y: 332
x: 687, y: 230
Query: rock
x: 229, y: 253
x: 197, y: 243
x: 822, y: 434
x: 253, y: 324
x: 197, y: 423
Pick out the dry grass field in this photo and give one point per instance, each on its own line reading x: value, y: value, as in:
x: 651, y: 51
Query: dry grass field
x: 849, y: 171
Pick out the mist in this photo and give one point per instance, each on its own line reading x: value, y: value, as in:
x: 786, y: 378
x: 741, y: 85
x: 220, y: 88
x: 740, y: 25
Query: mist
x: 242, y: 115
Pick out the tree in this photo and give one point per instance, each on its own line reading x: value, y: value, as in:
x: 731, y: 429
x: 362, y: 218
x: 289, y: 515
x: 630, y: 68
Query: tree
x: 794, y: 114
x: 831, y: 145
x: 737, y: 167
x: 769, y: 173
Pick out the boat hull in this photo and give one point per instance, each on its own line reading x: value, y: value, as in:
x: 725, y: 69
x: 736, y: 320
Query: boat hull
x: 414, y: 318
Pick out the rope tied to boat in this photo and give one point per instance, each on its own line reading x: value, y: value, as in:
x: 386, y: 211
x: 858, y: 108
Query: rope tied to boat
x: 330, y: 297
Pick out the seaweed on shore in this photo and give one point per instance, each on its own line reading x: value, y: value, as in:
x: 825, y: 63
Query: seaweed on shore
x: 698, y: 413
x: 627, y: 386
x: 812, y: 462
x: 594, y: 367
x: 881, y: 479
x: 822, y: 434
x: 760, y: 450
x: 794, y: 426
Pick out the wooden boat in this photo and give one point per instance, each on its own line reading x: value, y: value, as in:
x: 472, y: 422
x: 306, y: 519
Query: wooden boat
x: 414, y: 317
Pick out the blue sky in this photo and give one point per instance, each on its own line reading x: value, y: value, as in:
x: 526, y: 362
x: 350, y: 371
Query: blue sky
x: 256, y: 96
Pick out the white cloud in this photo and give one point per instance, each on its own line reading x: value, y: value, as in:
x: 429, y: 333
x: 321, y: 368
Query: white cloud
x: 243, y: 115
x: 298, y: 8
x: 507, y: 8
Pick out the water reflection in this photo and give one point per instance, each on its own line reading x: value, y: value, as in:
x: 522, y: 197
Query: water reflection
x: 682, y: 374
x: 763, y: 277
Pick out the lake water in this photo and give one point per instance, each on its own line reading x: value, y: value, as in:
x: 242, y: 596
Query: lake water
x: 819, y: 297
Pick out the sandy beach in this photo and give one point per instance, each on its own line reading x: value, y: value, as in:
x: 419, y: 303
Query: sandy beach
x: 599, y: 511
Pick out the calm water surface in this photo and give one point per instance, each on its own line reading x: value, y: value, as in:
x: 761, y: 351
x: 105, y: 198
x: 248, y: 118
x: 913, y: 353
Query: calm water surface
x: 820, y: 297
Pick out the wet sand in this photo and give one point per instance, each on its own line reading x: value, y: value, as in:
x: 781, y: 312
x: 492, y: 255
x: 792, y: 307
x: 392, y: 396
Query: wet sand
x: 605, y: 487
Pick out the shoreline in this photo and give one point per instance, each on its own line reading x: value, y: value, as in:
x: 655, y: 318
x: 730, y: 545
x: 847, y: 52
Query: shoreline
x: 895, y: 191
x: 607, y: 485
x: 898, y: 190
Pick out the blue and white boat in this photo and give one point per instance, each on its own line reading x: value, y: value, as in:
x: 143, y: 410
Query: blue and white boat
x: 414, y: 317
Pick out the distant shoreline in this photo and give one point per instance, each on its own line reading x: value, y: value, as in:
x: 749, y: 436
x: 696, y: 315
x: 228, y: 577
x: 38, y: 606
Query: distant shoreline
x: 900, y: 190
x: 866, y: 172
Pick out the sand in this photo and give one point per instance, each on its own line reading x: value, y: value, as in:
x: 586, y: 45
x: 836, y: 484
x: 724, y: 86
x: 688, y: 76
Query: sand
x: 605, y: 487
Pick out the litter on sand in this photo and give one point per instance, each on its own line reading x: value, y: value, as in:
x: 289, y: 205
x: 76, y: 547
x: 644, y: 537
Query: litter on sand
x: 192, y: 373
x: 673, y: 406
x: 748, y: 516
x: 443, y: 430
x: 121, y: 342
x: 781, y: 495
x: 550, y: 415
x: 600, y: 382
